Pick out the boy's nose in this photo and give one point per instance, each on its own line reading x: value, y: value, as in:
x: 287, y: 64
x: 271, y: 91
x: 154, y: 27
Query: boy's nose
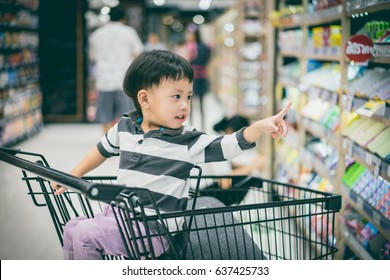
x: 184, y: 105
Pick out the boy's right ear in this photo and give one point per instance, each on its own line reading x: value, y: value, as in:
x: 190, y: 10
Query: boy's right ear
x: 143, y: 98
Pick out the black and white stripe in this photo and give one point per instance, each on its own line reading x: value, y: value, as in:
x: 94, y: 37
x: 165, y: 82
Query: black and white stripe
x: 161, y: 160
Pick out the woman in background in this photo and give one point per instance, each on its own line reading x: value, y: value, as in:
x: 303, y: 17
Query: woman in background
x: 199, y: 56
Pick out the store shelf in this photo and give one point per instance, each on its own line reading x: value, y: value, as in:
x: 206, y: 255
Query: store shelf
x: 292, y: 138
x: 324, y: 75
x: 253, y: 64
x: 290, y: 53
x: 316, y: 129
x: 381, y: 119
x: 311, y: 162
x: 357, y: 102
x: 375, y: 164
x: 20, y: 96
x: 292, y: 23
x: 324, y: 16
x: 381, y: 59
x: 368, y: 8
x: 286, y: 82
x: 368, y: 211
x: 376, y: 59
x: 323, y: 57
x: 316, y: 18
x: 353, y: 243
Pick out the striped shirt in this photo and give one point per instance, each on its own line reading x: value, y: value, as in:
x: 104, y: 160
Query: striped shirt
x: 161, y: 160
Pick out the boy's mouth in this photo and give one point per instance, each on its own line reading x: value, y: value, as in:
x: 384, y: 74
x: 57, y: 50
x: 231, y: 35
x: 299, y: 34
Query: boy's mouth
x: 181, y: 117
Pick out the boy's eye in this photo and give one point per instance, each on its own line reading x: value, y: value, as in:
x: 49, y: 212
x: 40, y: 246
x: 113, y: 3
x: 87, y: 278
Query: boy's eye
x: 176, y: 96
x: 189, y: 97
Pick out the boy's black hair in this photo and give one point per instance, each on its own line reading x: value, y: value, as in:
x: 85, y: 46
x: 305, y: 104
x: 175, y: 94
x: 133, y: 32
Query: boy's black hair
x: 152, y: 67
x: 117, y: 13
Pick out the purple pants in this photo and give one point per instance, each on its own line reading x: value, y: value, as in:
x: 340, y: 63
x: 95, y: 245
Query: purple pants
x: 88, y: 239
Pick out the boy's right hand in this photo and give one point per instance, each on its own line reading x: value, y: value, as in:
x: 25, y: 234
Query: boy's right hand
x: 58, y: 189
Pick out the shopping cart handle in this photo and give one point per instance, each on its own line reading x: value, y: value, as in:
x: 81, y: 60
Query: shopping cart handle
x: 110, y: 192
x: 94, y: 191
x: 9, y: 150
x: 104, y: 192
x: 65, y: 179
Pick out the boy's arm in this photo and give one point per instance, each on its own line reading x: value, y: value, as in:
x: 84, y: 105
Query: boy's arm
x: 92, y: 160
x: 275, y: 125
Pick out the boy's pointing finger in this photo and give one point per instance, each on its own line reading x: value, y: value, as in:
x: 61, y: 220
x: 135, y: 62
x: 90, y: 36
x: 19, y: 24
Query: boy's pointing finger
x: 284, y: 111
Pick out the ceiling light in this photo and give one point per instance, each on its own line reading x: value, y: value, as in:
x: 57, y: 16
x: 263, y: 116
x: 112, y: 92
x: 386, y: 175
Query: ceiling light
x: 204, y: 4
x: 198, y: 19
x: 229, y: 42
x: 168, y: 20
x: 229, y: 27
x: 105, y: 10
x: 111, y: 3
x: 159, y: 2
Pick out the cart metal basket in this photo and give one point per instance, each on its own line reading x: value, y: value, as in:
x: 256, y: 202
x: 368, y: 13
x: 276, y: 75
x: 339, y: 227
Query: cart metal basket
x: 272, y: 221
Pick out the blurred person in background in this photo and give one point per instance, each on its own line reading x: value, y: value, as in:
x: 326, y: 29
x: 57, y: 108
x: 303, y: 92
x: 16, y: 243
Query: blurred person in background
x: 112, y: 48
x: 154, y: 42
x: 199, y: 56
x: 180, y: 48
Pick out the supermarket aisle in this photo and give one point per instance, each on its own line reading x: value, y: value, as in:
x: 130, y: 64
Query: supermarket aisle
x: 26, y: 231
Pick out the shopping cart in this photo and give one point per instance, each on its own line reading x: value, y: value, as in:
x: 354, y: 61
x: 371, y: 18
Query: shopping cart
x: 273, y: 221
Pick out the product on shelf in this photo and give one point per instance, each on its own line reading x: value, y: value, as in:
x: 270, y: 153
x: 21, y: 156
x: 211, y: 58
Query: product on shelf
x: 326, y: 77
x: 320, y: 156
x: 374, y: 190
x: 367, y: 235
x: 325, y: 40
x: 20, y: 94
x: 380, y: 145
x: 290, y: 73
x: 371, y: 108
x: 287, y: 159
x: 251, y: 51
x: 288, y: 14
x: 340, y: 102
x: 252, y: 27
x: 373, y: 84
x: 370, y: 134
x: 376, y: 30
x: 290, y: 40
x: 250, y: 69
x: 359, y: 4
x: 318, y: 5
x: 323, y: 112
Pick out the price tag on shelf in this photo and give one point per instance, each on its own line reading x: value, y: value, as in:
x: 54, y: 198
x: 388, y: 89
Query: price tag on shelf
x: 325, y: 95
x: 347, y: 144
x: 348, y: 103
x: 334, y: 98
x: 359, y: 202
x: 376, y: 217
x: 315, y: 93
x: 369, y: 158
x: 377, y: 170
x: 376, y: 164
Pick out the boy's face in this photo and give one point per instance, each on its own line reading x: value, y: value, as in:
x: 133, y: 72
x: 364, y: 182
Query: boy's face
x: 169, y: 104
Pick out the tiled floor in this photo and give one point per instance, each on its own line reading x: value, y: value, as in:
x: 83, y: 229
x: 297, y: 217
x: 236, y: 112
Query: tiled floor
x: 26, y: 231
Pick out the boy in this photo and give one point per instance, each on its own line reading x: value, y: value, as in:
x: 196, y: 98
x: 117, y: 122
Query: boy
x: 157, y: 150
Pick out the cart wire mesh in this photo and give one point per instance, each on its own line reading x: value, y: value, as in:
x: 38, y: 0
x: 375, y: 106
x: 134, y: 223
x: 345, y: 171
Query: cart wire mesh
x: 273, y: 220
